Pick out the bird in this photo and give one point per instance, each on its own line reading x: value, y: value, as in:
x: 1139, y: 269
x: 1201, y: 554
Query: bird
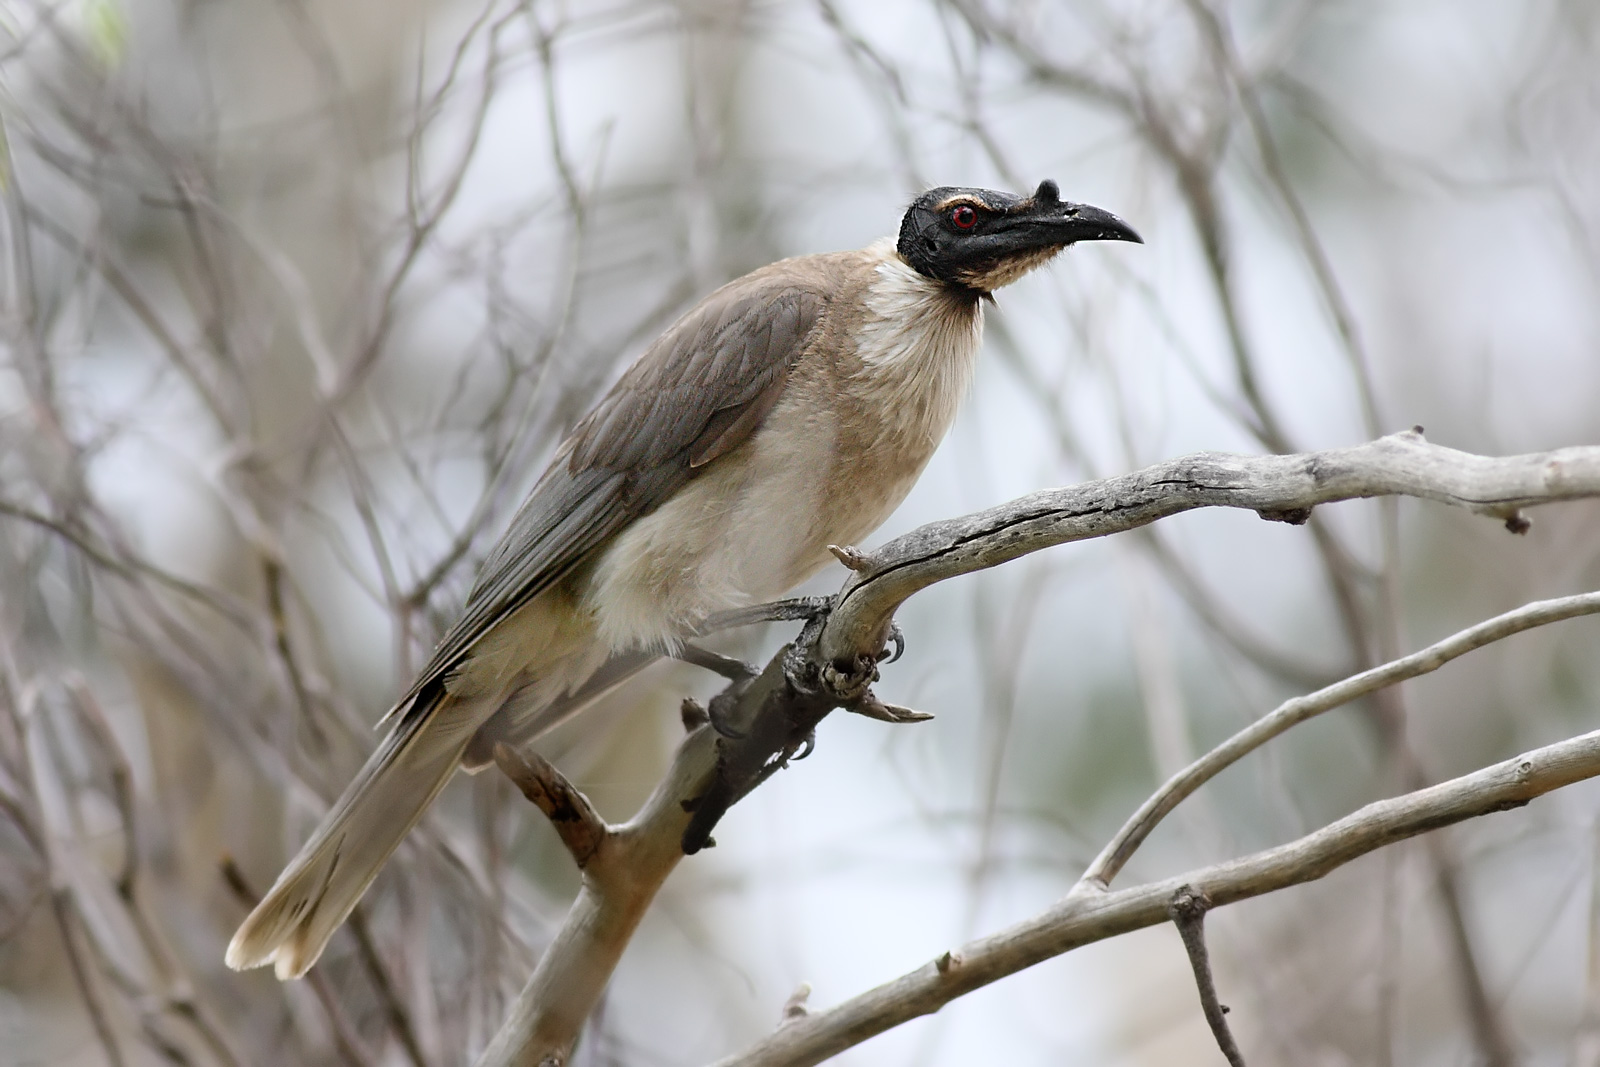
x: 789, y: 411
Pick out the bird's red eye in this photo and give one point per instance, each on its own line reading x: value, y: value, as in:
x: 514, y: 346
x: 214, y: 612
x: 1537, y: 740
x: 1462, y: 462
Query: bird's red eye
x: 964, y: 217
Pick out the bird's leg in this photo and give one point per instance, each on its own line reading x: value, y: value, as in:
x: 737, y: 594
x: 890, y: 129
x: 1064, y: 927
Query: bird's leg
x: 735, y: 670
x: 792, y: 610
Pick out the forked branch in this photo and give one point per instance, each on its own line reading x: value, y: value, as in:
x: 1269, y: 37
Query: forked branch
x: 1085, y: 919
x: 621, y: 875
x: 833, y: 661
x: 1297, y: 710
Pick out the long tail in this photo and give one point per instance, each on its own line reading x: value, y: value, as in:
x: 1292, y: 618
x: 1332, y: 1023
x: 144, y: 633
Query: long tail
x: 316, y: 892
x: 526, y: 716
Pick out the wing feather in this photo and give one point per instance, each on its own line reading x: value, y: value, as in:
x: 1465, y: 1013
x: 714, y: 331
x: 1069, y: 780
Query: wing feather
x: 698, y: 392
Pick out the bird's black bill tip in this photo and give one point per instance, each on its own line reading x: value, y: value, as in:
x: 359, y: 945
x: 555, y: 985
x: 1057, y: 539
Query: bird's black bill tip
x: 1087, y: 223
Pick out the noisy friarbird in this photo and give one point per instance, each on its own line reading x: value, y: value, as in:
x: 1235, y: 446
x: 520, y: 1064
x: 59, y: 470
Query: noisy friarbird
x: 790, y: 410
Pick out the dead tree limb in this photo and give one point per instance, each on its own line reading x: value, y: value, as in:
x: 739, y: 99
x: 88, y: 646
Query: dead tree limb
x: 1279, y: 488
x: 762, y: 722
x: 620, y: 879
x: 1085, y: 919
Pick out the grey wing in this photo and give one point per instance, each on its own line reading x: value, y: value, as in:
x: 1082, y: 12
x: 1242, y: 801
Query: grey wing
x: 702, y: 388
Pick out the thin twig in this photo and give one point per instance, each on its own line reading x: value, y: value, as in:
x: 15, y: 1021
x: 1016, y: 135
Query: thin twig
x: 580, y: 827
x: 93, y: 1006
x: 345, y: 1038
x: 1187, y: 911
x: 394, y: 1008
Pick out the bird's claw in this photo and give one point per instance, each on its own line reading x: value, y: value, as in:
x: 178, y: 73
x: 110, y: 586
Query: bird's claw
x: 897, y: 638
x: 873, y: 708
x: 808, y: 745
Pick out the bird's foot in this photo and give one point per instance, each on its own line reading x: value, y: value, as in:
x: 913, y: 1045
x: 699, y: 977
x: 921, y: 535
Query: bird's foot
x: 719, y: 712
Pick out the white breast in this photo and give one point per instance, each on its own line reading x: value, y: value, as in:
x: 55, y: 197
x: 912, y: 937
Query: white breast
x: 730, y: 537
x: 918, y: 349
x: 752, y: 526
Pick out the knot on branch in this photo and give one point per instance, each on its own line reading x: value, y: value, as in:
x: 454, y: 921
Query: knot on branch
x: 853, y: 558
x: 693, y: 714
x: 1292, y: 516
x: 795, y: 1007
x: 1188, y: 905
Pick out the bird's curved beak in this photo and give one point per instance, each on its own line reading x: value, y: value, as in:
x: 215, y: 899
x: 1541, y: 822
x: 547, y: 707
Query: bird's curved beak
x: 1068, y: 223
x: 1045, y: 219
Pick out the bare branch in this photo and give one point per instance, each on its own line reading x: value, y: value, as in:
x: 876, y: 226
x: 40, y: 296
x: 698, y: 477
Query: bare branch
x: 619, y: 882
x: 1293, y: 712
x: 766, y: 719
x: 582, y: 829
x: 1081, y: 920
x: 1188, y: 913
x: 1283, y: 488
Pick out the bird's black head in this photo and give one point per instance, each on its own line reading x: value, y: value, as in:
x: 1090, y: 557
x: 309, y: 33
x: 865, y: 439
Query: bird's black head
x: 979, y: 239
